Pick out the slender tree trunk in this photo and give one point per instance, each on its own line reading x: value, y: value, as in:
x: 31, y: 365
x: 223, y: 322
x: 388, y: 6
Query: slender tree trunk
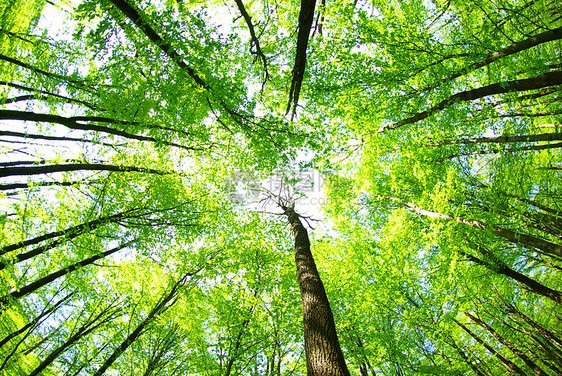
x: 553, y: 338
x: 306, y: 18
x: 540, y: 221
x: 29, y: 328
x: 9, y: 187
x: 33, y: 323
x: 234, y: 353
x: 69, y: 232
x: 500, y: 267
x: 144, y: 25
x: 79, y: 123
x: 322, y: 348
x: 500, y: 139
x: 28, y: 289
x: 38, y: 170
x: 157, y: 358
x: 539, y: 348
x: 364, y: 365
x: 557, y: 145
x: 106, y: 315
x: 544, y: 80
x: 47, y: 93
x: 510, y: 365
x: 51, y: 138
x: 516, y: 47
x: 165, y: 302
x: 556, y: 214
x: 254, y: 39
x: 511, y: 236
x: 465, y: 357
x: 532, y: 365
x: 71, y: 81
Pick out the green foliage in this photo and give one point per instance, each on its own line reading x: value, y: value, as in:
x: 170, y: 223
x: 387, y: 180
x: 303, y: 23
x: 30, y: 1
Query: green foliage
x: 433, y: 120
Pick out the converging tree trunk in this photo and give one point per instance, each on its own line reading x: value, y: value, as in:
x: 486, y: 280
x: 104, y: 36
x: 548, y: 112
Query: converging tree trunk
x: 544, y: 246
x: 512, y: 367
x: 544, y: 80
x: 532, y: 365
x: 322, y: 348
x: 165, y: 302
x: 502, y: 268
x: 33, y: 286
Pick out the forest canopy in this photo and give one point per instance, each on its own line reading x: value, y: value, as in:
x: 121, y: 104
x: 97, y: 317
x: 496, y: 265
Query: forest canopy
x: 166, y: 166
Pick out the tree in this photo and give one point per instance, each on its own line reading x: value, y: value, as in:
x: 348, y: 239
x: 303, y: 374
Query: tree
x: 128, y: 131
x: 323, y: 352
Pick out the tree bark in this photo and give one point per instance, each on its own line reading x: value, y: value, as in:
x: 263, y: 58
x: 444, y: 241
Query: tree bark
x: 508, y: 363
x: 500, y: 139
x: 501, y: 268
x: 10, y: 187
x: 28, y: 289
x: 306, y: 18
x: 516, y: 47
x: 68, y: 232
x: 322, y: 348
x: 509, y: 345
x: 38, y: 170
x: 538, y: 82
x: 511, y: 236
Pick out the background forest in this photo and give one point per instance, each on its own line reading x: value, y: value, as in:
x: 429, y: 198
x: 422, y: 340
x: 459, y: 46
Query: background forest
x: 134, y: 243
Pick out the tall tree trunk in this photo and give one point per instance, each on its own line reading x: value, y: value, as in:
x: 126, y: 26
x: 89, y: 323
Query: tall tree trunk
x: 47, y: 94
x: 31, y: 287
x: 9, y: 187
x: 322, y: 348
x: 510, y: 365
x: 83, y: 123
x: 513, y: 237
x: 143, y: 23
x: 306, y: 18
x: 255, y: 42
x: 70, y: 232
x: 36, y: 321
x: 557, y: 145
x: 235, y: 352
x: 552, y: 337
x: 165, y: 302
x: 499, y: 139
x: 465, y: 357
x: 37, y: 170
x: 500, y: 267
x: 65, y: 235
x: 544, y: 80
x: 539, y: 348
x: 516, y: 47
x: 108, y: 314
x: 532, y: 365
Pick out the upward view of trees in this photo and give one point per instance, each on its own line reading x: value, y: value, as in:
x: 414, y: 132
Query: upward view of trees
x: 137, y: 237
